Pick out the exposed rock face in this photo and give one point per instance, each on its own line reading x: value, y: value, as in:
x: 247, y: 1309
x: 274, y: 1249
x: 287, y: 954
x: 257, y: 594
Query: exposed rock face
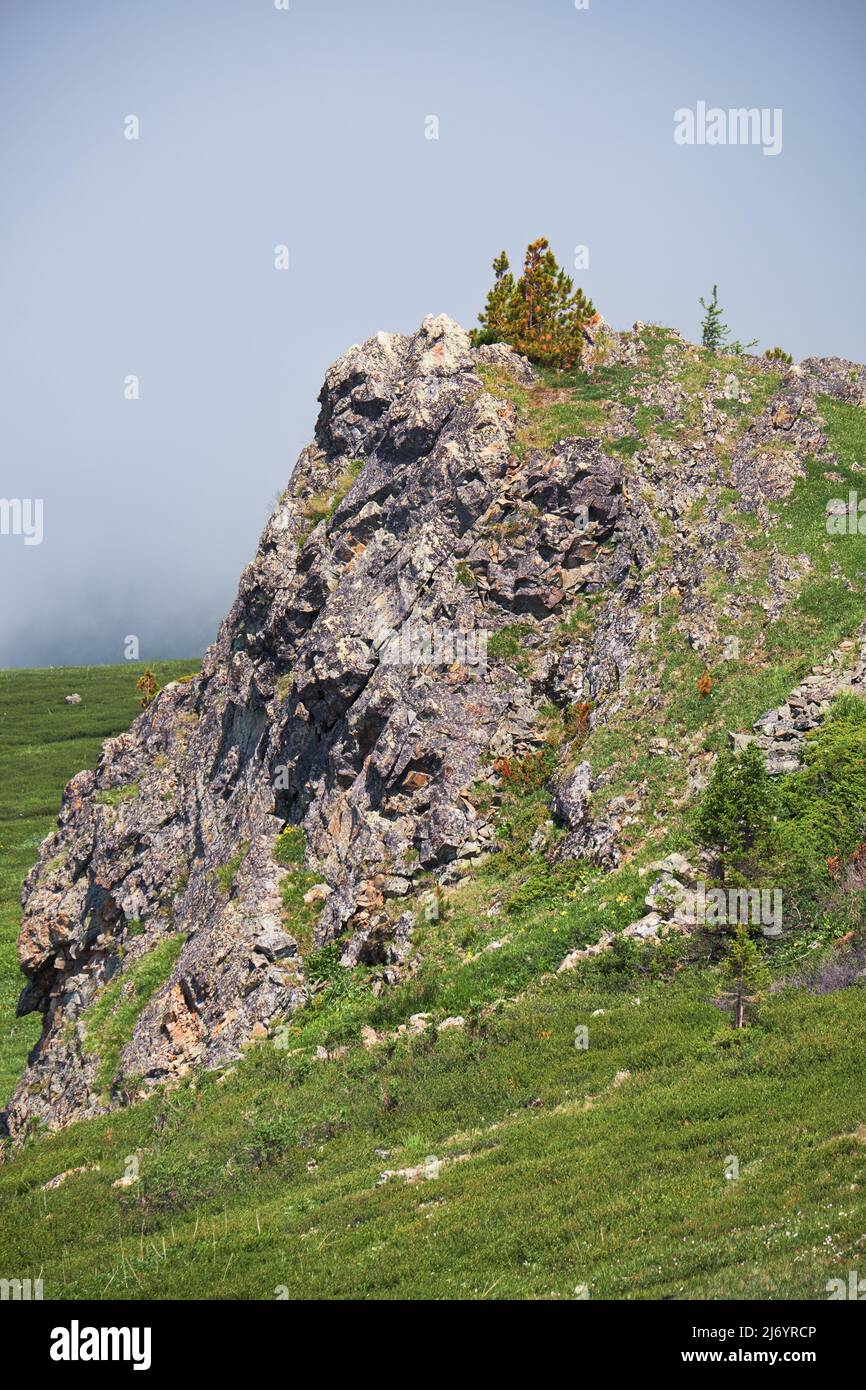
x: 297, y: 717
x: 588, y: 837
x: 781, y: 733
x: 412, y: 511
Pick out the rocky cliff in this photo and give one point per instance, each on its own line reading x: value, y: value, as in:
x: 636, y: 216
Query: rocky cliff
x: 320, y: 768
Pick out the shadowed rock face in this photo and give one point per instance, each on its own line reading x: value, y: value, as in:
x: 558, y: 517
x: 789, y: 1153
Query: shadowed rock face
x: 302, y: 715
x: 297, y: 718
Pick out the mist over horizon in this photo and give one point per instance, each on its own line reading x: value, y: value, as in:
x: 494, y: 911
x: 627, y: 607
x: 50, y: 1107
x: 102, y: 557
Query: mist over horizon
x: 155, y: 257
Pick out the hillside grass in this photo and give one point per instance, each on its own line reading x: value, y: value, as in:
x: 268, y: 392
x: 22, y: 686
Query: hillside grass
x: 44, y: 742
x: 541, y: 1171
x: 110, y: 1020
x: 826, y: 607
x: 543, y: 1167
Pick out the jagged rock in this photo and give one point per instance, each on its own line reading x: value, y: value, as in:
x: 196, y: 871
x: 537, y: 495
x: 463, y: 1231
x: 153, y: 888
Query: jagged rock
x: 273, y: 944
x: 295, y: 718
x: 570, y: 796
x: 500, y: 355
x: 666, y: 894
x: 676, y: 865
x: 587, y: 839
x: 413, y: 508
x: 645, y: 927
x: 573, y: 959
x: 318, y: 893
x: 60, y: 1178
x: 426, y: 1171
x: 781, y: 733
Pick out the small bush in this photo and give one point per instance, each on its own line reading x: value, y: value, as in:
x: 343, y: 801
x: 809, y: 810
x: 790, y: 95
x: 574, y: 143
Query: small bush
x: 735, y: 814
x: 147, y: 684
x: 507, y: 645
x: 109, y: 1022
x: 323, y: 966
x: 298, y: 917
x: 320, y: 506
x: 822, y: 821
x: 744, y: 975
x: 843, y: 967
x: 777, y: 354
x: 529, y: 773
x: 577, y: 719
x: 715, y: 333
x: 465, y: 575
x: 540, y: 315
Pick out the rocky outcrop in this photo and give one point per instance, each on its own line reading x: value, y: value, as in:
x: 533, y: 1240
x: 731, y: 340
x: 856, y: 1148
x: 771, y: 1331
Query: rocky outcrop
x: 349, y: 696
x: 409, y: 511
x: 671, y: 903
x: 781, y: 733
x: 589, y: 837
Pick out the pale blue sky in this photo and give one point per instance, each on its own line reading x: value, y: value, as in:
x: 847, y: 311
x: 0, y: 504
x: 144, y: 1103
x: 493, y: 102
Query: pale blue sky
x: 261, y: 127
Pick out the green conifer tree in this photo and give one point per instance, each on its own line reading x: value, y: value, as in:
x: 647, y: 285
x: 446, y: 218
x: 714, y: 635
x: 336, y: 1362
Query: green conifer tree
x: 736, y: 809
x: 541, y: 315
x: 744, y: 975
x: 147, y: 684
x: 496, y: 317
x: 714, y: 333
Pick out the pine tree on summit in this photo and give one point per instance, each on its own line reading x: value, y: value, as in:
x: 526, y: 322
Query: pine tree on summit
x: 714, y: 333
x: 540, y: 315
x: 496, y: 316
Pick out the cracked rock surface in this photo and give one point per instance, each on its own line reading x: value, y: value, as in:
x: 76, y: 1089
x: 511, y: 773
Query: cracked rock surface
x: 413, y: 509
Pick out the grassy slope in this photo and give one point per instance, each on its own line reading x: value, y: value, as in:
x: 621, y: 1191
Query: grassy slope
x: 44, y: 742
x: 268, y: 1176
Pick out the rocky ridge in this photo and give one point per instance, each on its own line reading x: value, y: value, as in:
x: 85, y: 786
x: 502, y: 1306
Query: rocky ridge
x: 414, y: 508
x: 781, y: 733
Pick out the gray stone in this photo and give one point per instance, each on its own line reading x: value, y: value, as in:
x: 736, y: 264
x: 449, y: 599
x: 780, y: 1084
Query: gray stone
x: 412, y: 507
